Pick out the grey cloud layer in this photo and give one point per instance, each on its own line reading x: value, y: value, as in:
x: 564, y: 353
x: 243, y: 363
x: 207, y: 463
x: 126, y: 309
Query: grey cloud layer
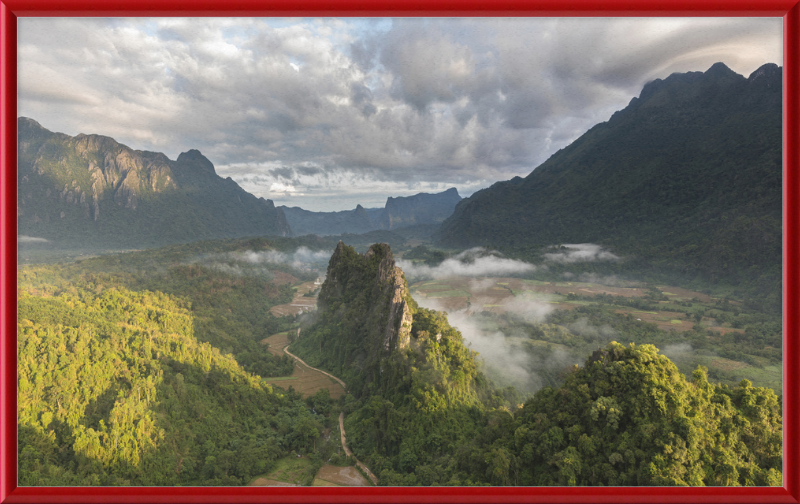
x: 460, y: 102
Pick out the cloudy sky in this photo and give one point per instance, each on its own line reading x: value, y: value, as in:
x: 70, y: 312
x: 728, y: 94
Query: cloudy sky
x: 327, y: 113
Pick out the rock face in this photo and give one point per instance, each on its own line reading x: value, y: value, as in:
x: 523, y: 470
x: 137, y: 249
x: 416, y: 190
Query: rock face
x: 91, y: 190
x: 373, y: 283
x: 422, y: 208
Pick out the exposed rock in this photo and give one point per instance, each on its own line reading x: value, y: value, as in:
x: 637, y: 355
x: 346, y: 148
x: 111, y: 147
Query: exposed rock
x: 141, y: 185
x: 387, y: 318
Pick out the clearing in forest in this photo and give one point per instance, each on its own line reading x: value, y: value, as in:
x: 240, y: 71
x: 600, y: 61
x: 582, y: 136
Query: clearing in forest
x: 300, y: 302
x: 304, y: 379
x: 288, y: 471
x: 330, y: 475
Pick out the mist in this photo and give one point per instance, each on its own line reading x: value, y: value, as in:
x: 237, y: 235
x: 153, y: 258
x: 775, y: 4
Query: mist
x: 301, y: 258
x: 581, y: 252
x: 503, y: 356
x: 602, y: 334
x: 31, y: 239
x: 262, y: 263
x: 679, y: 353
x: 474, y: 262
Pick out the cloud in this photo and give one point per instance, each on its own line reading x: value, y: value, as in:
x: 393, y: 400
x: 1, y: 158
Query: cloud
x: 388, y: 102
x: 532, y: 311
x: 503, y: 359
x: 679, y: 353
x: 502, y: 354
x: 472, y: 263
x: 249, y: 262
x: 581, y: 327
x: 583, y: 252
x: 30, y: 239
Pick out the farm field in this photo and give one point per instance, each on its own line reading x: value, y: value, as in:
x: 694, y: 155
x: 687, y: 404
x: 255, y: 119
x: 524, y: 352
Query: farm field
x: 300, y: 302
x: 493, y: 295
x: 556, y: 324
x: 331, y: 475
x: 304, y: 379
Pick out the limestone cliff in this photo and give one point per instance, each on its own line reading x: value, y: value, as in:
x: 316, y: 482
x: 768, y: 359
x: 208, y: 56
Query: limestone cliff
x: 92, y: 190
x: 422, y: 208
x: 372, y: 280
x: 305, y: 222
x: 370, y: 332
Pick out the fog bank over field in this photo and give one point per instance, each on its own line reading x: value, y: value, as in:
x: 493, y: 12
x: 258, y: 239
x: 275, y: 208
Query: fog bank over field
x: 501, y: 358
x: 581, y: 252
x: 261, y: 263
x: 474, y: 262
x: 31, y: 239
x: 503, y: 355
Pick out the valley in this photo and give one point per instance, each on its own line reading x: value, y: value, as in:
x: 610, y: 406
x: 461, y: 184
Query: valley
x: 611, y: 319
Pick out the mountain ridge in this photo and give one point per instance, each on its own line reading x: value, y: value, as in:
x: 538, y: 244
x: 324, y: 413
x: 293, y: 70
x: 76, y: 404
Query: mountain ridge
x: 92, y: 189
x: 686, y: 177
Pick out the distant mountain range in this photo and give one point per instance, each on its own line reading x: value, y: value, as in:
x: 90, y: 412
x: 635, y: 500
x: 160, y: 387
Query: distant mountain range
x: 687, y: 177
x: 92, y: 190
x: 399, y: 212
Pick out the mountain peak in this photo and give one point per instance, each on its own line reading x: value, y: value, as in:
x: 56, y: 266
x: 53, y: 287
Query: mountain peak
x: 27, y: 121
x: 193, y: 156
x: 719, y: 68
x: 767, y: 75
x: 720, y: 73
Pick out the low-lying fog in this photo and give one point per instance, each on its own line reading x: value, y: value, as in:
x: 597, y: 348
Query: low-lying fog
x: 505, y: 360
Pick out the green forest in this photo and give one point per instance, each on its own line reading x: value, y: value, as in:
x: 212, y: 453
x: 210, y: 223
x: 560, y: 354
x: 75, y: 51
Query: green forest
x: 145, y: 369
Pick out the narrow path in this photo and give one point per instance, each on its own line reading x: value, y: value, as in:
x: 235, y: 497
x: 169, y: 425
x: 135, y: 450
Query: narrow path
x: 349, y: 453
x: 286, y: 351
x: 341, y: 415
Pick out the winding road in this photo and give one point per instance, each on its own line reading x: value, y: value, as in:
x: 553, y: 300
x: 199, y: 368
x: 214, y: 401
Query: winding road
x: 347, y: 451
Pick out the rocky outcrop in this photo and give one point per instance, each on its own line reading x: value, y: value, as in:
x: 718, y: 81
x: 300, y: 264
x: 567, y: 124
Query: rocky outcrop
x: 370, y: 286
x: 390, y: 288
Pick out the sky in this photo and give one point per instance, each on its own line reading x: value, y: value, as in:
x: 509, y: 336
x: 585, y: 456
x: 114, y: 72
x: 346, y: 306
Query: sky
x: 329, y: 113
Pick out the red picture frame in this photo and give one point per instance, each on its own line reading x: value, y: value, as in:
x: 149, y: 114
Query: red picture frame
x: 789, y: 10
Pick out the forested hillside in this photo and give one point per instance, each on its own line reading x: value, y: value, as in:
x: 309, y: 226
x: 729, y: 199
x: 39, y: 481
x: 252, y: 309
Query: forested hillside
x: 685, y: 181
x: 146, y: 369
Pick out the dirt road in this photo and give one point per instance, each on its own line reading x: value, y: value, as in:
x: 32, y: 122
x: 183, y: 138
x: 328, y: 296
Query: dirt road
x: 308, y: 380
x: 304, y: 379
x: 349, y: 453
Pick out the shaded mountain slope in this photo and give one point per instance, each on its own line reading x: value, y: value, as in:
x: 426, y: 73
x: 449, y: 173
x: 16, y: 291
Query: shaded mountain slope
x: 687, y: 177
